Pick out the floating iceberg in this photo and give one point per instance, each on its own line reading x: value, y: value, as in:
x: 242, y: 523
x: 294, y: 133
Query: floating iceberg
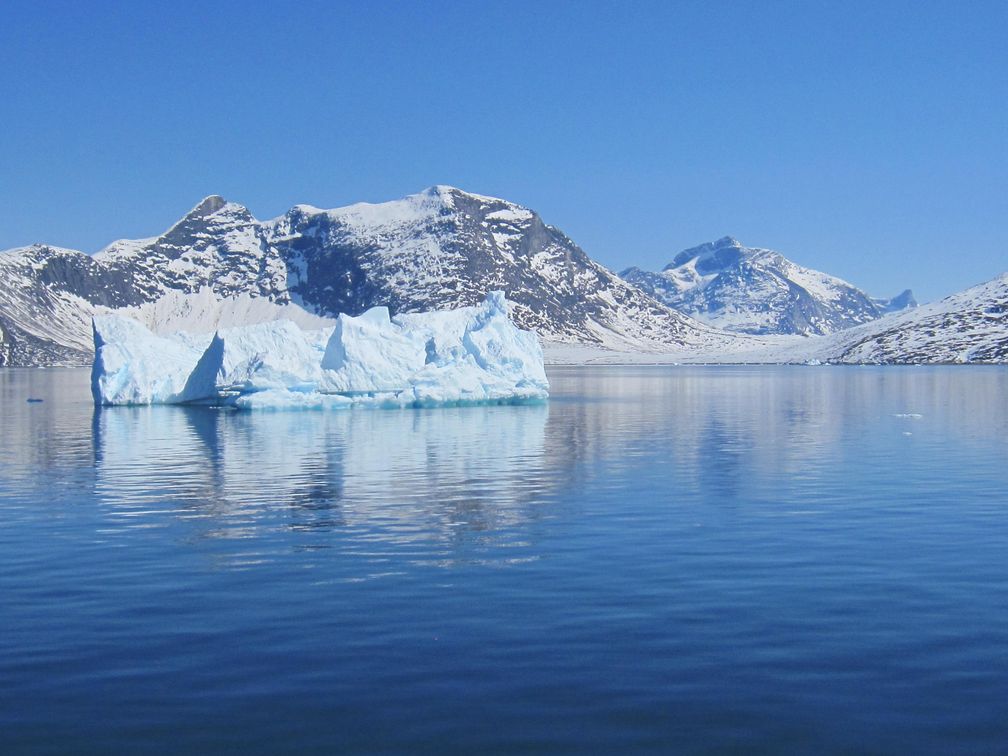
x: 264, y: 357
x: 469, y: 355
x: 133, y: 366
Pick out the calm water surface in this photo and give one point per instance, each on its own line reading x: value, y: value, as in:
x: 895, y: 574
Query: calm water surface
x: 688, y: 559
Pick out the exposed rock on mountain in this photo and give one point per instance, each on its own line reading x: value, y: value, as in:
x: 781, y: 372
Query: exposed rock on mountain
x: 441, y: 248
x: 971, y: 326
x: 758, y: 291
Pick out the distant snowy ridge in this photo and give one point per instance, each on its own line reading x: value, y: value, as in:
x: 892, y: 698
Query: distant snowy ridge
x: 219, y: 266
x: 970, y: 327
x: 759, y: 291
x: 903, y: 301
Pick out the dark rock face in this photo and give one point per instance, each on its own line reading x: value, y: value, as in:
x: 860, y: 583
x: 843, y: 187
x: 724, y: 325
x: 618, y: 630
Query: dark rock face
x: 457, y: 247
x: 441, y: 248
x: 757, y: 291
x: 18, y: 348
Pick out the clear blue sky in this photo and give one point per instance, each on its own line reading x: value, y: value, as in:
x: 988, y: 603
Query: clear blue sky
x: 869, y: 139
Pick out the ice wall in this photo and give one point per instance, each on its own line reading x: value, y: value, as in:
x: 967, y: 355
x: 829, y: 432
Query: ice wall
x: 469, y: 355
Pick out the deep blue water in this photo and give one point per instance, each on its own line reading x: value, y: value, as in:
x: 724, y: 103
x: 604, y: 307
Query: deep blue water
x: 660, y: 559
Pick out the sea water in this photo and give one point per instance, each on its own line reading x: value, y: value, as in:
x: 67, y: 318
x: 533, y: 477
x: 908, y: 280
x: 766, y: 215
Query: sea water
x: 659, y: 559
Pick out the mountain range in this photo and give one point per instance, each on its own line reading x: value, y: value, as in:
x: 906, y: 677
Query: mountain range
x: 759, y: 291
x: 970, y: 326
x: 219, y: 265
x: 444, y: 248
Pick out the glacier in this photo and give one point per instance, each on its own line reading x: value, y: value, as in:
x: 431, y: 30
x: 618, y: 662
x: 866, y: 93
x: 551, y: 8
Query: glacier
x: 470, y: 355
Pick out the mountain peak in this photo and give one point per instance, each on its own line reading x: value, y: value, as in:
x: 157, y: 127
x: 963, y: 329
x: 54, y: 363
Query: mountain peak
x: 756, y: 290
x: 207, y: 206
x: 219, y: 209
x: 215, y: 204
x: 445, y: 193
x: 213, y: 211
x: 727, y: 241
x: 448, y: 193
x: 703, y: 252
x: 903, y: 301
x: 439, y: 190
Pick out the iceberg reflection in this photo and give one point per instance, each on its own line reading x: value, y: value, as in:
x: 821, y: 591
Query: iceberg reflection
x: 422, y: 474
x: 482, y: 482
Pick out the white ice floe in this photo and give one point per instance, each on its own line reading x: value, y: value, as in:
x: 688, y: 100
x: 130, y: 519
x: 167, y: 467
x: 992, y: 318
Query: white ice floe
x: 469, y: 355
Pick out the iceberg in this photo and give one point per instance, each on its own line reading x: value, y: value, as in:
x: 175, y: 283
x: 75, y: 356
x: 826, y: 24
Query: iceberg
x: 277, y: 355
x: 372, y: 353
x: 134, y: 366
x: 471, y: 355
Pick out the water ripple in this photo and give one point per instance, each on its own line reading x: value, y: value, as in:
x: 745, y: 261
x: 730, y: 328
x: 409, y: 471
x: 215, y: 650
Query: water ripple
x: 660, y: 559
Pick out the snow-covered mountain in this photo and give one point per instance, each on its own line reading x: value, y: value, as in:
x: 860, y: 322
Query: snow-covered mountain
x: 444, y: 248
x: 759, y: 291
x: 970, y: 326
x: 441, y: 248
x: 903, y: 301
